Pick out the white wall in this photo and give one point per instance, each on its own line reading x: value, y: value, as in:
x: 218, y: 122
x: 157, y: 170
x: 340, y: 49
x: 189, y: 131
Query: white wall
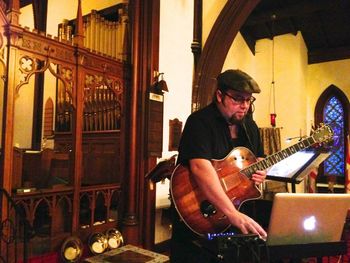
x: 176, y: 62
x: 290, y: 84
x: 320, y: 76
x: 211, y: 9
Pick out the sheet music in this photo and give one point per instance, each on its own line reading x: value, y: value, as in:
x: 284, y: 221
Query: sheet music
x: 289, y: 166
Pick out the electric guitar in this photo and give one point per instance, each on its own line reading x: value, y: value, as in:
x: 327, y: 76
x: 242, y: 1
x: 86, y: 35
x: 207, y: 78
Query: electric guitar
x: 234, y: 172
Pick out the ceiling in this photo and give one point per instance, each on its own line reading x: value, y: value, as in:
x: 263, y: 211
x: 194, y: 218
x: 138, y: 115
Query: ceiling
x: 324, y: 25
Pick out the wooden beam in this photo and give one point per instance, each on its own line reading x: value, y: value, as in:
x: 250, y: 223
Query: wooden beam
x: 249, y: 40
x: 40, y: 14
x: 196, y: 45
x: 328, y: 54
x: 290, y: 11
x: 79, y: 29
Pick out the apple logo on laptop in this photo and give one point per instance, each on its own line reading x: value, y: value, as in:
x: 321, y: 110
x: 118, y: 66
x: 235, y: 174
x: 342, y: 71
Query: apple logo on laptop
x: 309, y: 223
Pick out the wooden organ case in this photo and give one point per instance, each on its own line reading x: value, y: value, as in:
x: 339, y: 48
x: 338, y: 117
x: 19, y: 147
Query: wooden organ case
x: 74, y: 180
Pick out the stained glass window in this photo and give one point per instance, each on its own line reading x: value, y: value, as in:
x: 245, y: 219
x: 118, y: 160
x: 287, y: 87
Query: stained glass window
x: 333, y: 114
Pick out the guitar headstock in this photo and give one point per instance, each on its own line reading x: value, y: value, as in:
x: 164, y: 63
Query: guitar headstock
x: 323, y: 134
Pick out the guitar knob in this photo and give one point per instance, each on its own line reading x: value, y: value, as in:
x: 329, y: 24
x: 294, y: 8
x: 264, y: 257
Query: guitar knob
x: 207, y: 209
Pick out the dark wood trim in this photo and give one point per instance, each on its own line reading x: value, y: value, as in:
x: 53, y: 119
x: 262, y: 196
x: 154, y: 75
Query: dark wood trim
x: 40, y: 21
x: 196, y: 45
x: 130, y: 222
x: 149, y: 211
x: 39, y: 82
x: 217, y: 46
x: 40, y: 14
x: 331, y: 54
x: 137, y: 221
x: 13, y: 12
x: 145, y: 50
x: 148, y: 198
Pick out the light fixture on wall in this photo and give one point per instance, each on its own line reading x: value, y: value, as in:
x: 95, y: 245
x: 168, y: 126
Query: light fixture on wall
x: 159, y: 85
x: 273, y: 114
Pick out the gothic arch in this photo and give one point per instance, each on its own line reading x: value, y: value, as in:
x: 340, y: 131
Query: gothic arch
x: 215, y: 50
x: 333, y: 90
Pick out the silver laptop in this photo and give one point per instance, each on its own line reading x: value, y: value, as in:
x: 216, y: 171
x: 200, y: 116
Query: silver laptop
x: 307, y: 218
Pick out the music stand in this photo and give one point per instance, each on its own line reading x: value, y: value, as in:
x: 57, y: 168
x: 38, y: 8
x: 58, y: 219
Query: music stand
x: 294, y: 168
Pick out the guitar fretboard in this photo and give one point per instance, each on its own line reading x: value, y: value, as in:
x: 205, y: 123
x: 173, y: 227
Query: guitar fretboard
x: 277, y: 157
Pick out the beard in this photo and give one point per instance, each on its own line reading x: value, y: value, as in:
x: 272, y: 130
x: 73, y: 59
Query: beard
x: 234, y: 120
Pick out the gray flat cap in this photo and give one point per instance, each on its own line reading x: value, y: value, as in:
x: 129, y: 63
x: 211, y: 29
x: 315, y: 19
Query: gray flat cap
x: 238, y: 80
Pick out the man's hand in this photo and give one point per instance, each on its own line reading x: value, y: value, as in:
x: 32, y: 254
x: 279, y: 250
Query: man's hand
x: 246, y: 224
x: 208, y: 181
x: 259, y: 177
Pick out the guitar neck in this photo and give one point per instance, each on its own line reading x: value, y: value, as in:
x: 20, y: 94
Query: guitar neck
x: 277, y: 157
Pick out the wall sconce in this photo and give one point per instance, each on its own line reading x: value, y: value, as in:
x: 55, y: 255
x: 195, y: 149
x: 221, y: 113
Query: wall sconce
x: 159, y: 85
x: 98, y: 243
x: 72, y: 249
x: 114, y: 238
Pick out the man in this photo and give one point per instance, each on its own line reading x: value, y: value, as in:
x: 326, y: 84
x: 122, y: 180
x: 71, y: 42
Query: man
x: 212, y: 133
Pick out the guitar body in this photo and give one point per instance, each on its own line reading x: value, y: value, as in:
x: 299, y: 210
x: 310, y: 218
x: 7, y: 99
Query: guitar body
x: 194, y: 209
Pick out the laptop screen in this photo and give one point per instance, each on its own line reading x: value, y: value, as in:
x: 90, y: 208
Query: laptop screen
x: 300, y: 218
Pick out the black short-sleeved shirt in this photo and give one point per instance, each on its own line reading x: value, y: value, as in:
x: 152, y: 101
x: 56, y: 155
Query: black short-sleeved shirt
x: 206, y: 135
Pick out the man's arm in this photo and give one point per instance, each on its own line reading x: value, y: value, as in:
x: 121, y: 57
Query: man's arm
x: 208, y: 181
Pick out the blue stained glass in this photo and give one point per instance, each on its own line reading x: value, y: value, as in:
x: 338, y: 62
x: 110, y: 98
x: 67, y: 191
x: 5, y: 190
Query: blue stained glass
x: 333, y: 114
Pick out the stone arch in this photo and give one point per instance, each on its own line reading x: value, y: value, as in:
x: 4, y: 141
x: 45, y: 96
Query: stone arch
x: 215, y: 50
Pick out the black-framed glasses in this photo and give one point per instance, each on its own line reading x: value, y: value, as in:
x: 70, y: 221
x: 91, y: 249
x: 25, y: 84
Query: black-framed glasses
x: 240, y: 100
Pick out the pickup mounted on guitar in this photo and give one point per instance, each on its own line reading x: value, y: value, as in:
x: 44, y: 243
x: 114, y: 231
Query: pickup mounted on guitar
x: 234, y: 172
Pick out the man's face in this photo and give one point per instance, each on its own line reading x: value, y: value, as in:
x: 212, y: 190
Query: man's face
x: 234, y: 105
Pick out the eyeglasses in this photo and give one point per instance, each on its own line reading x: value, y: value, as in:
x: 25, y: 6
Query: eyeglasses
x: 240, y: 100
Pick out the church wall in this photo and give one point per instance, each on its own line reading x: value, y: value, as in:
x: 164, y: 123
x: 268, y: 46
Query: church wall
x: 297, y: 84
x: 322, y: 75
x: 176, y: 61
x: 211, y: 9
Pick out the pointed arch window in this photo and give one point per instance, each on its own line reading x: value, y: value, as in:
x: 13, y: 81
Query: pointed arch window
x: 333, y: 113
x: 333, y: 108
